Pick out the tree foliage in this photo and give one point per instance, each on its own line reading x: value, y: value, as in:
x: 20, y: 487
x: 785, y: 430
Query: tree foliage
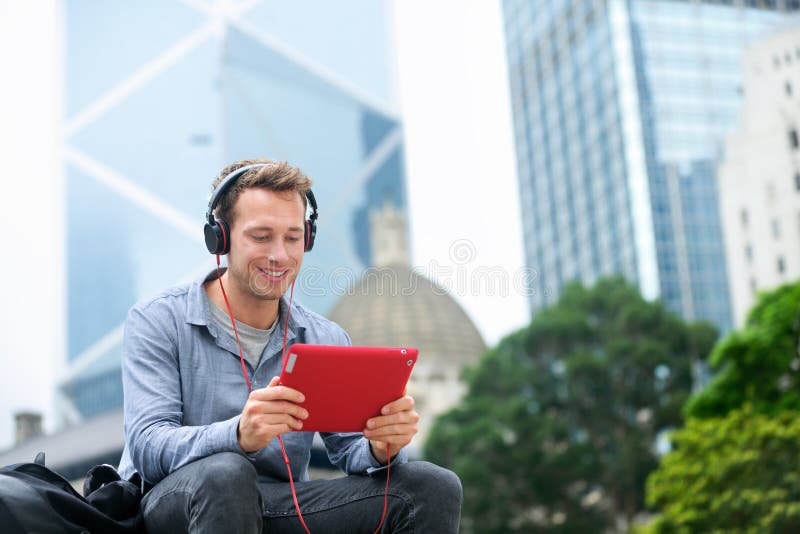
x: 735, y: 474
x: 734, y: 467
x: 557, y: 430
x: 758, y: 364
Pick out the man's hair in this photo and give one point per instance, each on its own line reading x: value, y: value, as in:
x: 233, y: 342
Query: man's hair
x: 275, y: 176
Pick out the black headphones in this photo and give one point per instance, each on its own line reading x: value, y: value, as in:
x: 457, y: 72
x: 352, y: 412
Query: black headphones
x: 217, y: 232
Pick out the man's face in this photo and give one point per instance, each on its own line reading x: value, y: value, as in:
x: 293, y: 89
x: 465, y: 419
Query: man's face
x: 266, y: 242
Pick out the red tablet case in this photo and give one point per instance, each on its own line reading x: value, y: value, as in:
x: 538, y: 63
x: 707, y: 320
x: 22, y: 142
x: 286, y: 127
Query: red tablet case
x: 345, y: 386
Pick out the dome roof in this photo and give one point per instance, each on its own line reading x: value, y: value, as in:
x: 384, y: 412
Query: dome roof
x: 395, y: 306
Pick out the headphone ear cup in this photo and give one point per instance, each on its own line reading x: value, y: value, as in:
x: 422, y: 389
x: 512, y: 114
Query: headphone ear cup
x: 217, y: 237
x: 310, y: 235
x: 226, y: 238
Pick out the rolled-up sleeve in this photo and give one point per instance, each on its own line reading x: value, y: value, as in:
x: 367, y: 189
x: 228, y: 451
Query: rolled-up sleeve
x: 155, y: 437
x: 350, y: 452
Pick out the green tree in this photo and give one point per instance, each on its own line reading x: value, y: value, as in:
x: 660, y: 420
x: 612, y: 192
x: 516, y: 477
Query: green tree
x: 734, y: 467
x: 557, y: 430
x: 758, y: 364
x: 735, y: 474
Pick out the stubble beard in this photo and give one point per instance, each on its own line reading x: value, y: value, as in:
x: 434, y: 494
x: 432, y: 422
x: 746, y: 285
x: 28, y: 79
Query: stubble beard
x: 261, y: 289
x: 247, y: 284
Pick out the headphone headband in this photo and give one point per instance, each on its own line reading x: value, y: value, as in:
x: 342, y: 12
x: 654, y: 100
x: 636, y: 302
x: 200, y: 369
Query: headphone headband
x: 216, y: 230
x: 226, y: 184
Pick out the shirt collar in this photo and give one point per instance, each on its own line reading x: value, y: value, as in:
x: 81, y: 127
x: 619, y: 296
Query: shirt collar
x: 198, y: 311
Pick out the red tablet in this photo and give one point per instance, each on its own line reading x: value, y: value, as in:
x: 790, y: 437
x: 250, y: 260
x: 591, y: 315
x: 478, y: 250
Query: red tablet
x: 345, y: 386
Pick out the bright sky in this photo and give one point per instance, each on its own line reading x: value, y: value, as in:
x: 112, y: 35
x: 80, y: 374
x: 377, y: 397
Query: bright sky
x: 462, y: 180
x: 31, y: 321
x: 462, y: 175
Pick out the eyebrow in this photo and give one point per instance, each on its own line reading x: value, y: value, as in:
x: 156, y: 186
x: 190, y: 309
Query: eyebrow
x: 270, y: 229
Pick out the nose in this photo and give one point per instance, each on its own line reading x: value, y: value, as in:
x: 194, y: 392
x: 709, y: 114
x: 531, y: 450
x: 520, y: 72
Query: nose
x: 277, y: 253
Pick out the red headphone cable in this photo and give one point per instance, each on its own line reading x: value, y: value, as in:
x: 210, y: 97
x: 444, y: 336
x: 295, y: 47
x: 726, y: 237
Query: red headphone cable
x: 280, y: 438
x: 233, y: 323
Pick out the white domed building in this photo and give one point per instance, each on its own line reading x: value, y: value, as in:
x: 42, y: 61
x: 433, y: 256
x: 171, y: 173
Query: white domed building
x: 392, y: 305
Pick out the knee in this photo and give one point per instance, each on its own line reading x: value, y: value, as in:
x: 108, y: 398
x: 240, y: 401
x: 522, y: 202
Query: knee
x: 433, y: 480
x: 219, y: 492
x: 228, y: 472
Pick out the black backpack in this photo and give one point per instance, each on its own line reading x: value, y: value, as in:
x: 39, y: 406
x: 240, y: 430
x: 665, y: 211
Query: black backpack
x: 34, y: 499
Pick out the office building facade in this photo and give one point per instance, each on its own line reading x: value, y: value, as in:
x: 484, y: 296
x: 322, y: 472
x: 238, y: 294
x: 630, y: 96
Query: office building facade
x: 620, y: 111
x: 160, y: 95
x: 759, y: 176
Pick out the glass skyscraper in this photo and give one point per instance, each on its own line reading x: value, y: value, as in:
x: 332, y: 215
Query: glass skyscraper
x: 620, y: 112
x: 160, y: 95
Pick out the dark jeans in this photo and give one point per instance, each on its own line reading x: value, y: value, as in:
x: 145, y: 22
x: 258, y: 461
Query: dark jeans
x: 221, y: 493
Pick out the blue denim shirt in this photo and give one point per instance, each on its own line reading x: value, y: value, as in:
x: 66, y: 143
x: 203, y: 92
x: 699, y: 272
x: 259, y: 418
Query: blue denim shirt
x: 184, y: 390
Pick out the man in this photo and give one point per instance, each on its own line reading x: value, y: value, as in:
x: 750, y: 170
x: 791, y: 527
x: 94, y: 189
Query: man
x: 207, y: 447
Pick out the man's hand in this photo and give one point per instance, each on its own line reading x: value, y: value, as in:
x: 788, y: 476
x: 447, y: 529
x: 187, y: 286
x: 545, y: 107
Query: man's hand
x: 268, y: 412
x: 394, y: 428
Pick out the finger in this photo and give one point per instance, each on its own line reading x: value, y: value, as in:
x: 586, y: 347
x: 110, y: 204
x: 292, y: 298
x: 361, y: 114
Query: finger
x: 385, y: 432
x: 292, y: 424
x: 404, y: 403
x: 388, y: 430
x: 278, y: 423
x: 407, y: 416
x: 255, y: 409
x: 275, y: 392
x: 262, y: 434
x: 282, y: 407
x: 270, y: 431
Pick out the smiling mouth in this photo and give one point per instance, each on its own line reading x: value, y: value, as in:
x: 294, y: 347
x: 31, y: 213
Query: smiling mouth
x: 273, y: 274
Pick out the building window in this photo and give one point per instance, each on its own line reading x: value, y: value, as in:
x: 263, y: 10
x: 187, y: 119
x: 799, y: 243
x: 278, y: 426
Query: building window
x: 748, y: 252
x: 794, y: 142
x: 781, y: 265
x: 776, y: 61
x: 753, y: 286
x: 797, y: 181
x: 745, y: 218
x: 776, y: 228
x: 788, y: 87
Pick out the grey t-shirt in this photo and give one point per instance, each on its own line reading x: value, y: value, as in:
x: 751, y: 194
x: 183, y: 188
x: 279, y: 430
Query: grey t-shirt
x: 253, y: 339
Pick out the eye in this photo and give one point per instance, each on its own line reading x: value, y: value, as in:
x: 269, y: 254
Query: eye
x: 259, y: 237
